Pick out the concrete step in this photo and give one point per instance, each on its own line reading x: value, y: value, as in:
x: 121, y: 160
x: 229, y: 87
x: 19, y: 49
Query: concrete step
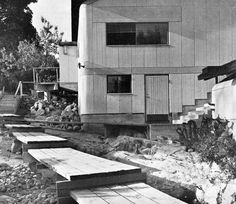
x: 194, y: 115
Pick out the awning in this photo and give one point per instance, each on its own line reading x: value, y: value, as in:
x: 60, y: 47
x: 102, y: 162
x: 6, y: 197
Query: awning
x: 215, y: 71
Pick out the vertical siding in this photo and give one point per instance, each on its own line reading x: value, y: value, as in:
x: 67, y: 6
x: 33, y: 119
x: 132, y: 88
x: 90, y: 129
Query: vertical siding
x: 100, y: 98
x: 188, y: 34
x: 125, y: 103
x: 200, y: 33
x: 188, y: 92
x: 86, y: 94
x: 137, y: 56
x: 150, y: 57
x: 175, y: 48
x: 112, y: 59
x: 175, y: 93
x: 213, y: 34
x: 138, y: 94
x: 233, y: 14
x: 206, y: 35
x: 200, y: 88
x: 225, y: 33
x: 125, y: 59
x: 113, y: 103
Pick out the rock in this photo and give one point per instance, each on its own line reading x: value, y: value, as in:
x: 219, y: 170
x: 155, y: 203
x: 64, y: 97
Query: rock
x: 40, y: 112
x: 229, y: 194
x: 16, y: 146
x: 6, y: 199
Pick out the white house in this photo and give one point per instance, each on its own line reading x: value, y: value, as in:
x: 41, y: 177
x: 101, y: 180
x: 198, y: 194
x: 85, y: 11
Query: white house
x: 139, y: 59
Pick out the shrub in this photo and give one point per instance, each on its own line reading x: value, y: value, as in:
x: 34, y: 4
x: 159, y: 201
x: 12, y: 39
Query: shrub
x: 213, y: 140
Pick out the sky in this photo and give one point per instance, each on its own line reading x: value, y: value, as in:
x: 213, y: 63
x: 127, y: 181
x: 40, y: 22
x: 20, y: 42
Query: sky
x: 57, y: 12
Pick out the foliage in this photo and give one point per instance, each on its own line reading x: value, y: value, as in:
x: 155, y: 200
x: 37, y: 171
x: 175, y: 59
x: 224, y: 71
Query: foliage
x: 213, y: 140
x: 15, y: 23
x: 17, y: 65
x: 49, y: 39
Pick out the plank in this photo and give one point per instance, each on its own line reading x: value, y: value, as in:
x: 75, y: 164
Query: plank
x: 200, y: 33
x: 150, y: 56
x: 64, y: 187
x: 175, y: 93
x: 138, y: 94
x: 225, y: 33
x: 213, y: 33
x: 9, y: 115
x: 175, y: 44
x: 200, y: 88
x: 100, y: 95
x: 163, y: 56
x: 110, y: 196
x: 112, y: 103
x: 125, y: 103
x: 137, y: 57
x: 86, y: 197
x: 188, y: 32
x: 34, y: 138
x: 132, y: 195
x: 137, y: 193
x: 234, y: 32
x: 136, y: 14
x: 188, y: 87
x: 154, y: 194
x: 64, y: 161
x: 125, y: 59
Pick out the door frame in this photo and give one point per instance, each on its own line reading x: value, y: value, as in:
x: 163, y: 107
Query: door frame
x: 145, y: 92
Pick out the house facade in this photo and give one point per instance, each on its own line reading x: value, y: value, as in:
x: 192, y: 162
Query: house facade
x: 139, y: 59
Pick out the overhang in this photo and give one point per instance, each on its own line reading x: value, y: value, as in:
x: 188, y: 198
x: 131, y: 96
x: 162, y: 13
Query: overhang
x: 215, y: 71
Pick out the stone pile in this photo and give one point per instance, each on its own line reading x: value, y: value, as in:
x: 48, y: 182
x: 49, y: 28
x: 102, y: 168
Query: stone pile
x: 19, y: 185
x: 56, y: 111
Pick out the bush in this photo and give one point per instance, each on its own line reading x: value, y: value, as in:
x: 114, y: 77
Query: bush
x: 213, y: 140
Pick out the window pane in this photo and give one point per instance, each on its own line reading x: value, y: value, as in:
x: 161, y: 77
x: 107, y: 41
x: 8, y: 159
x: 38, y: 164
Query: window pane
x: 153, y: 33
x: 119, y: 84
x: 121, y: 34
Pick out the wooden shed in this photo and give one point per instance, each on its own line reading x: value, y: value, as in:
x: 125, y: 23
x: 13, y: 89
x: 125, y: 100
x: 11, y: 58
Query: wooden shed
x: 139, y: 59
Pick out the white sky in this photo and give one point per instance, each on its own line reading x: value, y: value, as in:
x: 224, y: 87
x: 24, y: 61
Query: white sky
x: 57, y: 12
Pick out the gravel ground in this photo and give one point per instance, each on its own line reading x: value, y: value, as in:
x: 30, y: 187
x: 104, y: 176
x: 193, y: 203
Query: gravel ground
x: 20, y: 185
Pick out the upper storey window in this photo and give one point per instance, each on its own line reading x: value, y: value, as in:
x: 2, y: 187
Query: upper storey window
x: 137, y: 33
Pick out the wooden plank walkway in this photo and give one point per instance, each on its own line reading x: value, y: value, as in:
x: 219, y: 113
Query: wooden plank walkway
x: 138, y: 193
x: 23, y: 128
x: 37, y: 140
x: 73, y: 165
x: 36, y: 137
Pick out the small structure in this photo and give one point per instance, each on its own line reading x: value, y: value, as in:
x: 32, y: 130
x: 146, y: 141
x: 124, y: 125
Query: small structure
x: 68, y: 65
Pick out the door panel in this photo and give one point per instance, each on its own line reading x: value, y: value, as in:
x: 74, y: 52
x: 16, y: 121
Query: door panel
x: 157, y: 98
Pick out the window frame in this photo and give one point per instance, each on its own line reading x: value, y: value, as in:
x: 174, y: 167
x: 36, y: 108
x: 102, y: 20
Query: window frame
x: 120, y: 75
x: 136, y: 44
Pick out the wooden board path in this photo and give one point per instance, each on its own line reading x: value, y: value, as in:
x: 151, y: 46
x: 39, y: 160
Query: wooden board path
x: 37, y: 140
x: 23, y: 128
x: 138, y: 193
x: 73, y: 165
x: 36, y: 137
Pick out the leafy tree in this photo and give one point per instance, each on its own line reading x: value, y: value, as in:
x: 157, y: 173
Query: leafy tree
x: 15, y: 23
x: 17, y: 65
x: 49, y: 39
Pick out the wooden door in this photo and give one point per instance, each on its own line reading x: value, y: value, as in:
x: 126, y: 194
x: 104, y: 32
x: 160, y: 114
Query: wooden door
x: 157, y: 98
